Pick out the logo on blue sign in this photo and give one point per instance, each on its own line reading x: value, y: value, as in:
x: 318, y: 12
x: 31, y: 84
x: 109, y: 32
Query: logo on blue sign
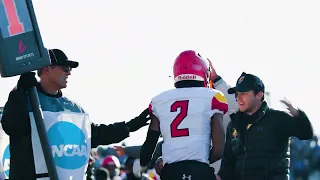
x: 6, y: 160
x: 68, y: 144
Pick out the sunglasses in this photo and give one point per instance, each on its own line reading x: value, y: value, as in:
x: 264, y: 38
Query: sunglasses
x: 66, y: 69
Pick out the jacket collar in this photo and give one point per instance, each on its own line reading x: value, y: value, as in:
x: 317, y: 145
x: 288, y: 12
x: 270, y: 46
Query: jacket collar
x: 259, y: 114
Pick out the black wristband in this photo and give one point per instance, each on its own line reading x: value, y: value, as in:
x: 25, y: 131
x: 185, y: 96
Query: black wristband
x: 217, y: 79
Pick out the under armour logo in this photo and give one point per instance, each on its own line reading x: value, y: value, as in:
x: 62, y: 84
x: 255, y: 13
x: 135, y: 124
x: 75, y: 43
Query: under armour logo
x: 186, y: 177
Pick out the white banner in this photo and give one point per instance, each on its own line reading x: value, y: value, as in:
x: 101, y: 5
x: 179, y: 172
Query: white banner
x: 4, y: 152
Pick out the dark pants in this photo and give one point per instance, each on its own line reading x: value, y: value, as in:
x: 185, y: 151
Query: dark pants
x: 187, y: 170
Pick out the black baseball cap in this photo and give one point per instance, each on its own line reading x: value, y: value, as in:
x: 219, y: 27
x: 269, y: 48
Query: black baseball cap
x: 247, y: 82
x: 58, y: 57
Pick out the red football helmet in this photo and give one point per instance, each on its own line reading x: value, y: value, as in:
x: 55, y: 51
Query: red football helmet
x: 189, y: 65
x: 111, y: 160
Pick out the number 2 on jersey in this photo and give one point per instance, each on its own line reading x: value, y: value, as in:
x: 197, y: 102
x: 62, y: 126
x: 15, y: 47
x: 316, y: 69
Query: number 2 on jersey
x: 183, y: 106
x: 15, y: 26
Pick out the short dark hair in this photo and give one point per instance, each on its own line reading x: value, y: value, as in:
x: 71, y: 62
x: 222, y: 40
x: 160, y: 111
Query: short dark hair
x: 189, y: 83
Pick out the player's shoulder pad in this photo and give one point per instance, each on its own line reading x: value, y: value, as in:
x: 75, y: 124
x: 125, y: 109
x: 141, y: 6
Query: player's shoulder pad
x: 219, y: 101
x: 163, y: 95
x: 159, y: 97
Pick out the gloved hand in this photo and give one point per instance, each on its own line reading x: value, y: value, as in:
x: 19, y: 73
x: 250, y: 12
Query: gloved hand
x: 26, y: 81
x: 139, y: 121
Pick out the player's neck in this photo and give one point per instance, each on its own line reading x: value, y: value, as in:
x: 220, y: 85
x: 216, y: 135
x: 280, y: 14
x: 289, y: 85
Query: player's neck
x: 49, y: 88
x: 255, y: 109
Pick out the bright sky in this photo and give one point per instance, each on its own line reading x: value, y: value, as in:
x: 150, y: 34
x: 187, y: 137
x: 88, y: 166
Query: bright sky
x: 126, y: 49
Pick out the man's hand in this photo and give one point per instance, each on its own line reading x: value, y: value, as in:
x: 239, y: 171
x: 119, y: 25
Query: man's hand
x: 139, y: 121
x: 293, y: 111
x: 214, y: 74
x: 27, y: 81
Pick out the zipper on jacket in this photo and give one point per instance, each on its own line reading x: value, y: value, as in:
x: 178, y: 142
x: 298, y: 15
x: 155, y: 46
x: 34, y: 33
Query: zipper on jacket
x: 245, y: 154
x: 245, y: 142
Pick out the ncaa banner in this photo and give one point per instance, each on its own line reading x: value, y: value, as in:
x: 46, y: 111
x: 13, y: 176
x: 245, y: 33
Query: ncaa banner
x: 4, y: 152
x: 69, y: 136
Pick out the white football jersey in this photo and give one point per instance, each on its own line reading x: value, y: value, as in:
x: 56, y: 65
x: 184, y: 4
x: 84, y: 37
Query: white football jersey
x: 185, y: 121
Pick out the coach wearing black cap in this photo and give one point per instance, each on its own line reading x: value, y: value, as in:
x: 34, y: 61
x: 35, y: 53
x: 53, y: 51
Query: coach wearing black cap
x: 257, y: 137
x: 71, y: 133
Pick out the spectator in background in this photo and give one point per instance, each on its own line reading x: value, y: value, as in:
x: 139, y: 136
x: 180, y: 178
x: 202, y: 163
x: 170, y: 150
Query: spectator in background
x: 105, y: 150
x: 305, y: 158
x: 314, y: 159
x: 112, y: 164
x: 299, y: 163
x: 315, y: 154
x: 134, y: 151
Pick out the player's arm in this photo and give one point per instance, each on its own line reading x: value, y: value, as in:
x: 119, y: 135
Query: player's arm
x: 221, y: 85
x: 217, y: 137
x: 150, y: 143
x: 219, y: 107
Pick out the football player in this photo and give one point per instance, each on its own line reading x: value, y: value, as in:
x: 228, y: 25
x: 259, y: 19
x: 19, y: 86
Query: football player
x: 189, y: 118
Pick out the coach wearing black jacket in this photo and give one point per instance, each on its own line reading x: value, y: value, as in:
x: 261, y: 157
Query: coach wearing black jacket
x: 17, y: 124
x: 257, y: 137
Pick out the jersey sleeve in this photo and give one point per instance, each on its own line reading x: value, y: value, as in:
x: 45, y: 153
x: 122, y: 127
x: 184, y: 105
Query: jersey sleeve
x: 152, y: 110
x: 219, y: 104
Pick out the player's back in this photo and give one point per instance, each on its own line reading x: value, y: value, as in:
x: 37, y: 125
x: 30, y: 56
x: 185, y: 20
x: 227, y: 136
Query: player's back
x: 185, y: 121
